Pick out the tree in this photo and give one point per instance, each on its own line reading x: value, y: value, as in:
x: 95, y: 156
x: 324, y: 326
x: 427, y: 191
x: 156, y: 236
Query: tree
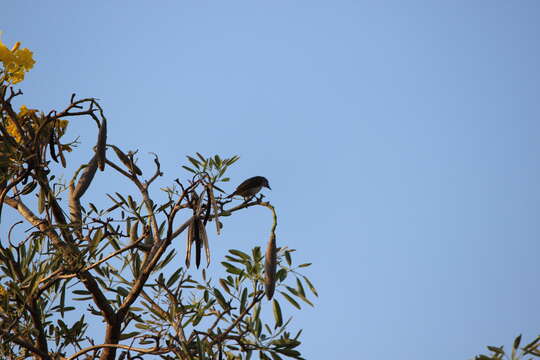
x: 116, y: 263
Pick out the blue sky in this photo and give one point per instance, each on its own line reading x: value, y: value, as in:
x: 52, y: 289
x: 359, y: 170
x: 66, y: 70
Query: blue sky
x: 400, y: 139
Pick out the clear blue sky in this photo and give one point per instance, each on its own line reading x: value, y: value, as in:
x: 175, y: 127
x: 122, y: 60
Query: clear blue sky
x: 400, y: 139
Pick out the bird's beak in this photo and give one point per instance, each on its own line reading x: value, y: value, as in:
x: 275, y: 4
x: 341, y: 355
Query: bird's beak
x: 268, y: 186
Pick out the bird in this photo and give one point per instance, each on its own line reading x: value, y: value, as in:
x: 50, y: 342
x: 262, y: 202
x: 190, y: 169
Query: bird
x: 250, y: 187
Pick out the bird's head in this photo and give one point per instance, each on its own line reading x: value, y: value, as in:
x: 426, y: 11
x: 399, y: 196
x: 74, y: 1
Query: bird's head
x: 265, y: 183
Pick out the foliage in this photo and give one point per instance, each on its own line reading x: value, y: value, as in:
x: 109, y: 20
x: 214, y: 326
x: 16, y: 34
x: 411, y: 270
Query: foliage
x: 76, y: 260
x: 517, y: 353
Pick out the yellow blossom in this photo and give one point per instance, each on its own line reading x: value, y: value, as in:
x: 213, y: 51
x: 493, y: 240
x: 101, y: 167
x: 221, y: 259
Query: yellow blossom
x: 24, y: 111
x: 12, y: 130
x: 30, y: 121
x: 16, y: 62
x: 5, y: 54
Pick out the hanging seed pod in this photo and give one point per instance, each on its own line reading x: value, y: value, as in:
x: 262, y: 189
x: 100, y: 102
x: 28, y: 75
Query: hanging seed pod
x: 100, y: 147
x: 198, y: 241
x: 204, y: 238
x: 41, y: 201
x: 62, y: 158
x: 133, y: 231
x: 51, y: 146
x: 270, y: 267
x: 190, y: 235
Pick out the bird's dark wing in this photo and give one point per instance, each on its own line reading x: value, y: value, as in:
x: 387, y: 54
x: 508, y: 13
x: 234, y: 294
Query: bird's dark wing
x: 245, y: 186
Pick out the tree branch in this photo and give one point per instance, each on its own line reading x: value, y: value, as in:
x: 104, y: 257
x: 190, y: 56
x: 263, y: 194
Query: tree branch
x: 22, y: 343
x: 69, y: 251
x: 152, y: 351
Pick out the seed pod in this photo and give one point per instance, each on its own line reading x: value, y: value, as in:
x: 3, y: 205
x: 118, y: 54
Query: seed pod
x: 270, y: 267
x: 100, y: 147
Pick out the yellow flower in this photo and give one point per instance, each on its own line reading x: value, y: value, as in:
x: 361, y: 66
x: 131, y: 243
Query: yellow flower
x: 16, y: 62
x: 12, y: 130
x: 5, y: 54
x: 25, y: 59
x: 30, y: 121
x: 24, y: 111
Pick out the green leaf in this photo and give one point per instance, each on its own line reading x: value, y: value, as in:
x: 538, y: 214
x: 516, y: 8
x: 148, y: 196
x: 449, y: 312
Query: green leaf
x: 311, y: 287
x: 142, y: 326
x: 203, y: 159
x: 63, y: 299
x: 189, y: 169
x: 241, y: 254
x: 256, y: 251
x: 293, y: 291
x: 305, y: 299
x: 532, y: 345
x: 257, y: 311
x: 495, y: 349
x: 129, y: 335
x: 483, y: 357
x: 286, y: 343
x: 231, y: 268
x: 277, y: 314
x: 233, y: 160
x: 122, y: 291
x: 233, y: 259
x: 221, y: 299
x: 288, y: 257
x: 81, y: 292
x: 304, y: 265
x: 517, y: 341
x: 121, y: 197
x: 291, y: 300
x: 224, y: 285
x: 194, y: 162
x: 300, y: 288
x: 243, y: 299
x: 275, y: 356
x: 281, y: 275
x: 174, y: 277
x: 289, y: 352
